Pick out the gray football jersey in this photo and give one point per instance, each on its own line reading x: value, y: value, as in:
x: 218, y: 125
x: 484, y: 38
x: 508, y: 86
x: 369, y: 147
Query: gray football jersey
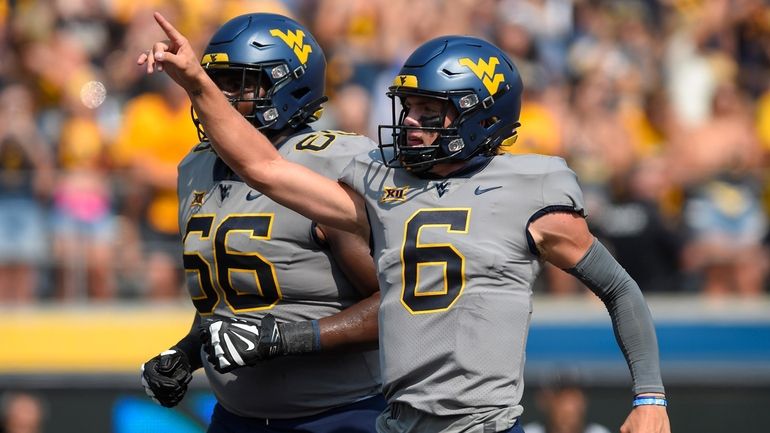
x: 245, y: 256
x: 456, y: 270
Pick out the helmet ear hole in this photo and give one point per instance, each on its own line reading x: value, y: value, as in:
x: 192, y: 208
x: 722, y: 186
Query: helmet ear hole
x: 489, y: 122
x: 299, y: 93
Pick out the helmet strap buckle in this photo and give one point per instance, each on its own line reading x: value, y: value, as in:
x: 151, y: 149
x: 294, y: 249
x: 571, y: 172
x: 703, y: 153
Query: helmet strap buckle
x: 488, y: 101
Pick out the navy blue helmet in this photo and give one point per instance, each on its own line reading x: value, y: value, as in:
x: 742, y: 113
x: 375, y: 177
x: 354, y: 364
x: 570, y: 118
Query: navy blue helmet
x: 276, y: 54
x: 471, y: 76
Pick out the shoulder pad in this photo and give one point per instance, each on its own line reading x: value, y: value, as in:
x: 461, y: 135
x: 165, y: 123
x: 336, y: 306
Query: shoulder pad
x: 205, y: 145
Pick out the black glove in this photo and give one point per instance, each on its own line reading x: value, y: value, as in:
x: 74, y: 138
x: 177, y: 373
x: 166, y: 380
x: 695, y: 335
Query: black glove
x: 165, y: 377
x: 271, y: 342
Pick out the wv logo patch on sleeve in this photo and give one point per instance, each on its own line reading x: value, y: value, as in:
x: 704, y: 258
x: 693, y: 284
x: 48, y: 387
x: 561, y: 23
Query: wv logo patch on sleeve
x: 295, y: 41
x: 485, y: 71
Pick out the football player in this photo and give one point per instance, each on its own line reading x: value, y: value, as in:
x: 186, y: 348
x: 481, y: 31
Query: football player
x: 301, y: 299
x: 459, y: 233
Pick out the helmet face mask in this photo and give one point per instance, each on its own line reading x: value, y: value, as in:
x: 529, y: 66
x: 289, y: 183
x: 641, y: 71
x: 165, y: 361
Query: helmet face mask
x: 248, y: 90
x: 475, y: 81
x: 421, y: 157
x: 270, y: 68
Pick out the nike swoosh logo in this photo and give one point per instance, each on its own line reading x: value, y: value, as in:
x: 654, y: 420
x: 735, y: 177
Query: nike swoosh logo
x: 249, y: 344
x: 252, y: 195
x: 479, y: 190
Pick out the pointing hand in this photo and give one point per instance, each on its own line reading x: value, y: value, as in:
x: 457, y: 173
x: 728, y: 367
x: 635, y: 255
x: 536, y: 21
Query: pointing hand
x: 173, y: 55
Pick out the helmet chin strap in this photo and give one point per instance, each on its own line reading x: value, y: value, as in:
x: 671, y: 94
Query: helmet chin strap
x: 422, y: 159
x: 418, y: 160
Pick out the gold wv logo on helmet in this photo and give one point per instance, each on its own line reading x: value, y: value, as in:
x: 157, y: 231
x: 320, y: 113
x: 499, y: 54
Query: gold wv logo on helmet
x: 485, y: 71
x: 405, y: 81
x: 211, y: 60
x: 295, y: 41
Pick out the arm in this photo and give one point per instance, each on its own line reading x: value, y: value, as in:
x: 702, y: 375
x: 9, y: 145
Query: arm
x: 234, y: 343
x: 190, y: 344
x: 355, y: 326
x: 257, y: 163
x: 563, y: 239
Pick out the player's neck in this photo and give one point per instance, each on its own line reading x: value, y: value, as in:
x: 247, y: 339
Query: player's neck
x: 279, y: 137
x: 444, y: 168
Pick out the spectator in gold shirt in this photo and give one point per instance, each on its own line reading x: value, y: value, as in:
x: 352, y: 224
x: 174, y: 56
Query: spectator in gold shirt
x: 156, y: 133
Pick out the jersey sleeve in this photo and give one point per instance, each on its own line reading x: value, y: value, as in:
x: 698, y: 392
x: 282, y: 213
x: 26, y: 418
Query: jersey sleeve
x: 351, y: 146
x: 186, y: 171
x: 333, y: 160
x: 348, y: 175
x: 559, y: 192
x: 560, y: 189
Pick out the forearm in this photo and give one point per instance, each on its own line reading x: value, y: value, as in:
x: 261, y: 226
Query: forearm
x: 190, y: 344
x: 355, y: 326
x: 631, y: 319
x: 352, y: 328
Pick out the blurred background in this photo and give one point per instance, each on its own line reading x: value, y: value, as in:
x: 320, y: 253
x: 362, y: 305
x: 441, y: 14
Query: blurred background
x: 662, y: 107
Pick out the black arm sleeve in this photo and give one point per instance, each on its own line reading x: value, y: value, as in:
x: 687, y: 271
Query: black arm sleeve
x: 631, y: 319
x: 190, y: 344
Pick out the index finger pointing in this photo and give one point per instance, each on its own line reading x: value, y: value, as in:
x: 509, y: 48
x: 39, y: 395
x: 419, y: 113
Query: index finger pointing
x: 170, y: 31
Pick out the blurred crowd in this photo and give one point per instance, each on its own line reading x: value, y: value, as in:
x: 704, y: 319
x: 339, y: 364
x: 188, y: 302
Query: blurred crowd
x: 662, y: 107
